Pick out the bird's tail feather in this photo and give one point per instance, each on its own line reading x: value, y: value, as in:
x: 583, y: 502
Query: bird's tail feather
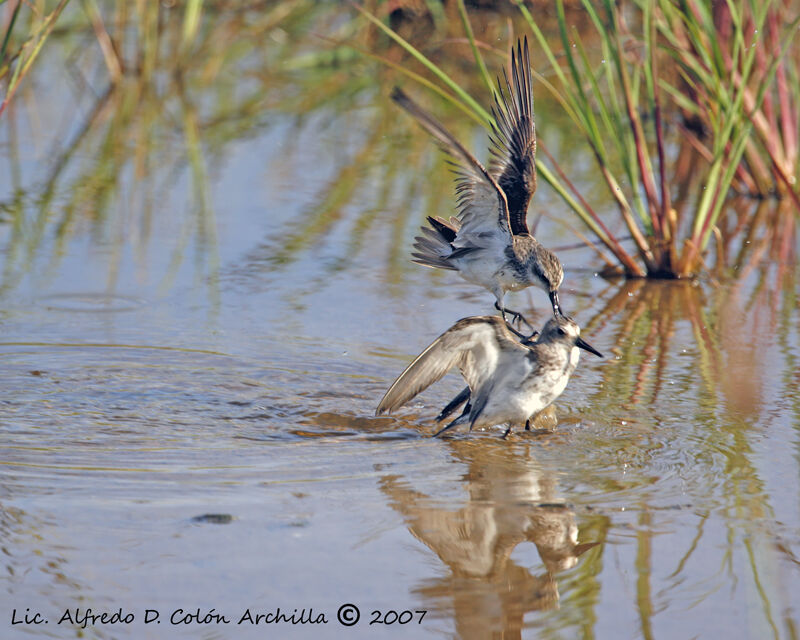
x: 433, y: 247
x: 432, y: 250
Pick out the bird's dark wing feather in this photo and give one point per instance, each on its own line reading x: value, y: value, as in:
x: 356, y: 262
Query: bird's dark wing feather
x: 479, y: 404
x: 446, y: 229
x: 514, y: 140
x: 482, y: 204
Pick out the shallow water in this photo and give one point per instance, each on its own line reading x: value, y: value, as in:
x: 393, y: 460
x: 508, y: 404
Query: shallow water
x: 187, y: 388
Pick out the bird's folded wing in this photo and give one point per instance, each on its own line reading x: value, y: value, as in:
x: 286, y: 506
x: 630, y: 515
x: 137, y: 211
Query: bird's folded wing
x: 514, y: 141
x: 482, y: 206
x: 474, y: 345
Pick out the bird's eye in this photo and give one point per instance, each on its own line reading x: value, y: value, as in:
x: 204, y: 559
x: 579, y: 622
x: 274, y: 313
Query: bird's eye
x: 561, y: 332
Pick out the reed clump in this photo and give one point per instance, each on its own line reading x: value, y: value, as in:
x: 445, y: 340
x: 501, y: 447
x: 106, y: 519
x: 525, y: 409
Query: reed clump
x: 660, y: 79
x: 689, y: 110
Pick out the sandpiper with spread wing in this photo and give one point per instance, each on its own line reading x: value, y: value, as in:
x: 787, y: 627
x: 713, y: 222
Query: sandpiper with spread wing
x: 488, y: 242
x: 510, y: 382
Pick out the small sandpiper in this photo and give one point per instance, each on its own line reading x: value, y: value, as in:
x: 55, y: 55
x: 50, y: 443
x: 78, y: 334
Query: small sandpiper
x: 510, y: 382
x: 488, y: 242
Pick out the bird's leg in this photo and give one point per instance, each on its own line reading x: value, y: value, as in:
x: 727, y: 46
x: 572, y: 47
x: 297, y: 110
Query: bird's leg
x: 516, y: 316
x: 526, y: 340
x: 527, y: 425
x: 505, y: 435
x: 454, y: 404
x: 519, y: 334
x: 531, y: 338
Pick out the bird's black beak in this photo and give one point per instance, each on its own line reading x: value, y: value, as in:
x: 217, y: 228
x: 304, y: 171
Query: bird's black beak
x: 580, y: 342
x: 554, y: 302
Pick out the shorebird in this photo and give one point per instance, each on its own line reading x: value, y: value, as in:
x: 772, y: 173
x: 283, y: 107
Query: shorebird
x: 510, y: 382
x: 488, y: 242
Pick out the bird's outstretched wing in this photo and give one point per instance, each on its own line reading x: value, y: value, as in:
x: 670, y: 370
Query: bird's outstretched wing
x: 475, y: 345
x: 514, y: 139
x: 482, y: 205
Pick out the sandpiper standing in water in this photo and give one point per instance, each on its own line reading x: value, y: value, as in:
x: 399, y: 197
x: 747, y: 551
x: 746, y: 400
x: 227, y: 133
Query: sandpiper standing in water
x: 510, y: 382
x: 488, y: 242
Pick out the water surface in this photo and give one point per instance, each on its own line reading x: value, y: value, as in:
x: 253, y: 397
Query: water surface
x: 191, y: 355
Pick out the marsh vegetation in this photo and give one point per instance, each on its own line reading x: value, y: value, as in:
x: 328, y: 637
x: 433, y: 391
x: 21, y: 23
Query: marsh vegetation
x: 206, y: 214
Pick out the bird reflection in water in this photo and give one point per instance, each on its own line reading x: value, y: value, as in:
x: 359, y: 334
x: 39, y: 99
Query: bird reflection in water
x: 511, y: 501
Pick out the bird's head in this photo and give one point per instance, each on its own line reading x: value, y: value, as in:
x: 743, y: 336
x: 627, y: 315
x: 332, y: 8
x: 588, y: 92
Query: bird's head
x: 563, y: 330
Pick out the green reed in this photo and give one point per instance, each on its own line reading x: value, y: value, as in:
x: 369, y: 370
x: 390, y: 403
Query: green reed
x: 619, y: 106
x: 631, y: 95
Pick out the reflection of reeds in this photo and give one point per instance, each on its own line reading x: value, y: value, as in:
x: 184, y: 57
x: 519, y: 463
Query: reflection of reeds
x: 170, y: 91
x: 163, y: 92
x: 648, y: 316
x: 698, y: 358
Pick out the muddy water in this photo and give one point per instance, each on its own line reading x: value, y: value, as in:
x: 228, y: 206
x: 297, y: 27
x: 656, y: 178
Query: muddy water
x: 187, y: 384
